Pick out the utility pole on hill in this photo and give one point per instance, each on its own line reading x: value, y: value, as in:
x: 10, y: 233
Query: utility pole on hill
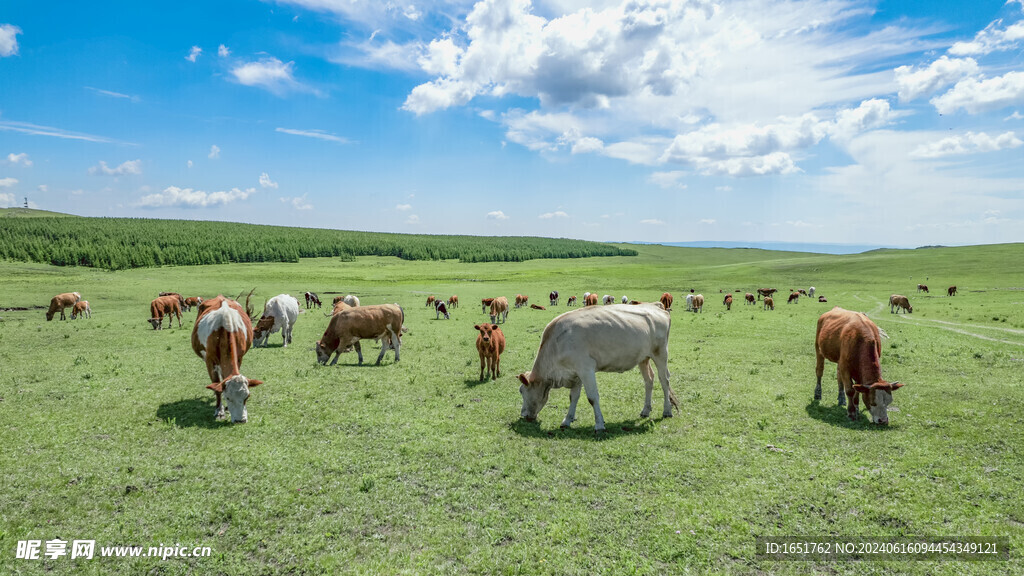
x: 26, y: 201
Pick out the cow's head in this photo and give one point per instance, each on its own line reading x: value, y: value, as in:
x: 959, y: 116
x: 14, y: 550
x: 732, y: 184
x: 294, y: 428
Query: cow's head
x: 877, y: 398
x: 236, y: 393
x: 49, y: 316
x: 323, y: 353
x: 261, y: 332
x: 535, y: 396
x: 155, y: 323
x: 487, y: 331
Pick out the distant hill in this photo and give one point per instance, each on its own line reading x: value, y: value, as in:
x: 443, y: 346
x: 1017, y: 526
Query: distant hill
x: 32, y: 213
x: 817, y: 248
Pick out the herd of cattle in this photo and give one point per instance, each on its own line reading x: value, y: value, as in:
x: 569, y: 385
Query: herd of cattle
x: 574, y: 346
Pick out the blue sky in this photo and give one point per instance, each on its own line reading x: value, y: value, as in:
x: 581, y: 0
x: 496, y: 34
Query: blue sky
x: 895, y: 123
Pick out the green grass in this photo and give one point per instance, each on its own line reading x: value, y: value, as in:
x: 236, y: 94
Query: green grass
x: 107, y: 431
x: 31, y: 213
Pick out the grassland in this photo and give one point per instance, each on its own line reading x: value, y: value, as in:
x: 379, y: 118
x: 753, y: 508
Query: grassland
x: 416, y: 467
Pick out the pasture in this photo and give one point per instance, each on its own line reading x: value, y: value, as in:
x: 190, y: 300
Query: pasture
x: 107, y: 431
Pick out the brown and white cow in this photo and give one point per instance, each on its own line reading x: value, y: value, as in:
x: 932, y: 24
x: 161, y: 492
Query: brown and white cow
x: 822, y: 299
x: 571, y: 301
x: 490, y: 343
x: 553, y: 298
x: 590, y: 300
x: 312, y: 300
x: 951, y: 291
x: 499, y: 310
x: 221, y: 336
x: 485, y: 303
x: 60, y: 302
x: 698, y: 303
x: 521, y: 300
x: 81, y: 308
x: 853, y: 342
x: 728, y: 301
x: 766, y: 292
x: 607, y: 299
x: 380, y: 322
x: 922, y: 288
x: 666, y: 301
x: 793, y: 297
x: 168, y: 306
x: 897, y: 301
x: 769, y: 303
x: 441, y: 308
x: 748, y: 298
x: 578, y: 344
x: 192, y: 301
x: 453, y: 302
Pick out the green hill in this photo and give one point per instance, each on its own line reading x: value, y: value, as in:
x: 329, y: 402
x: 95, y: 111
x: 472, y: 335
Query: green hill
x: 32, y: 213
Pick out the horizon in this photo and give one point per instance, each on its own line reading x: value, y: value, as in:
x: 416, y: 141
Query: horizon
x: 878, y: 123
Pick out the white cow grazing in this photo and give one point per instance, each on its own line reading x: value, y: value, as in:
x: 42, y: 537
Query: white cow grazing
x: 578, y: 344
x: 810, y: 292
x: 280, y: 313
x: 351, y: 300
x: 608, y: 299
x: 625, y: 300
x: 689, y: 302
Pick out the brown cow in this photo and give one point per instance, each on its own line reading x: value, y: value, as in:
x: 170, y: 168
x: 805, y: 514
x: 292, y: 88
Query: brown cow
x: 853, y: 342
x: 221, y: 336
x: 802, y: 292
x: 698, y: 303
x: 81, y: 308
x: 922, y: 288
x: 430, y: 301
x: 486, y: 303
x: 766, y: 292
x: 339, y: 306
x: 380, y: 322
x: 192, y: 301
x: 571, y: 301
x: 793, y: 297
x: 167, y: 306
x: 748, y: 298
x: 453, y: 302
x: 537, y: 307
x: 769, y: 304
x: 666, y: 301
x: 590, y: 300
x: 499, y: 310
x: 60, y: 302
x: 490, y: 343
x: 897, y: 301
x: 521, y: 300
x: 951, y: 291
x: 728, y: 301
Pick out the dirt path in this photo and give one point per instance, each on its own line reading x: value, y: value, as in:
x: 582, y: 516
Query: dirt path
x: 877, y: 314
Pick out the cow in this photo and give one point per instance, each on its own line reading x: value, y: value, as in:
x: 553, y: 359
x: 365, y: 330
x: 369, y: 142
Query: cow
x: 822, y: 299
x: 430, y: 301
x: 897, y: 301
x: 922, y: 288
x: 585, y: 295
x: 221, y: 336
x: 625, y: 300
x: 608, y: 299
x: 810, y: 292
x: 453, y: 302
x: 537, y: 307
x: 499, y: 309
x: 339, y: 306
x: 380, y: 322
x: 440, y: 308
x: 165, y: 306
x: 486, y: 303
x: 578, y: 344
x: 490, y: 343
x: 689, y: 302
x: 769, y: 303
x: 853, y: 342
x: 60, y: 302
x: 748, y: 298
x: 728, y: 301
x: 766, y: 292
x: 637, y: 302
x: 666, y: 301
x: 192, y: 301
x: 351, y: 300
x: 802, y: 292
x: 81, y: 308
x: 312, y: 300
x: 590, y: 300
x: 571, y: 301
x: 553, y: 298
x: 280, y: 313
x: 951, y: 291
x: 181, y: 299
x: 698, y: 303
x: 793, y: 297
x: 521, y: 300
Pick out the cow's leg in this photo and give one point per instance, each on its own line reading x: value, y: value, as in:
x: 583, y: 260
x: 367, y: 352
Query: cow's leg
x: 496, y: 363
x: 383, y: 348
x: 396, y: 340
x: 819, y: 368
x: 178, y: 314
x: 589, y: 378
x: 645, y: 371
x: 483, y: 362
x: 574, y: 396
x: 661, y: 362
x: 218, y: 411
x: 359, y: 351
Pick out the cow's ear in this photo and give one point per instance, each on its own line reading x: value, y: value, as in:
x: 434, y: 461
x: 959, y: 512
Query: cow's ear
x: 255, y: 383
x: 522, y: 378
x: 896, y: 385
x: 216, y: 386
x: 476, y: 326
x: 494, y: 327
x: 861, y: 388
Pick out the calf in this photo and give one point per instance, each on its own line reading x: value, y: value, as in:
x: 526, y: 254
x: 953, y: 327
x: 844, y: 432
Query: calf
x: 490, y: 343
x: 590, y: 300
x: 922, y: 288
x: 793, y: 297
x: 430, y: 301
x: 221, y: 336
x: 578, y: 344
x: 521, y: 300
x: 689, y: 302
x: 499, y: 310
x: 165, y: 306
x: 748, y: 299
x: 312, y: 300
x: 440, y: 308
x: 698, y: 303
x: 537, y: 307
x: 486, y: 303
x: 810, y: 291
x: 60, y: 302
x: 897, y: 301
x: 571, y: 301
x: 852, y: 341
x: 280, y: 313
x: 769, y: 303
x: 666, y: 301
x: 192, y: 301
x: 381, y: 322
x: 608, y: 299
x: 951, y: 291
x: 453, y: 302
x: 81, y: 308
x: 553, y: 298
x: 728, y: 301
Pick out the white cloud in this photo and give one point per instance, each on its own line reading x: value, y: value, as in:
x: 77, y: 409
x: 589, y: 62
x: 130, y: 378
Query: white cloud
x: 723, y: 188
x: 653, y: 222
x: 223, y: 51
x: 412, y: 13
x: 550, y: 215
x: 189, y: 198
x: 77, y: 192
x: 36, y: 130
x: 993, y: 38
x: 708, y: 221
x: 670, y: 179
x: 412, y: 219
x: 7, y: 200
x: 869, y: 115
x: 270, y: 74
x: 318, y: 134
x: 189, y: 164
x: 403, y: 207
x: 266, y: 182
x: 9, y: 39
x: 8, y: 182
x: 969, y: 143
x: 194, y: 53
x: 131, y: 167
x: 496, y: 215
x: 298, y: 203
x: 214, y: 152
x: 774, y: 163
x: 914, y: 83
x: 975, y: 96
x: 113, y: 94
x: 1016, y: 115
x: 22, y: 159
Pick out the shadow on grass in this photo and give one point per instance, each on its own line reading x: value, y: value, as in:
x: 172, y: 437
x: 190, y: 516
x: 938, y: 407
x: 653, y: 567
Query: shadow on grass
x: 191, y: 413
x: 836, y: 416
x: 612, y: 430
x: 474, y: 382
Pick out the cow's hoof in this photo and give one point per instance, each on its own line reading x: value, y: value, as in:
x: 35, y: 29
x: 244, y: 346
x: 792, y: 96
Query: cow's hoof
x: 218, y: 416
x: 666, y: 414
x: 645, y: 413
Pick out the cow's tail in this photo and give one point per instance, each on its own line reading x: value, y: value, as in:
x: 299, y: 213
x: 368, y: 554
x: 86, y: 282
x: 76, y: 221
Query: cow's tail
x: 675, y: 401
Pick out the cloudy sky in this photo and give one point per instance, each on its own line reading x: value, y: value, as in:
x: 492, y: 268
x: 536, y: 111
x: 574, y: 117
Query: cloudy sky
x: 896, y: 123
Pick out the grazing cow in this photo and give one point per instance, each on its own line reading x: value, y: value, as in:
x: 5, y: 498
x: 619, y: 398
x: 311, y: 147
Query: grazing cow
x: 553, y: 298
x: 499, y: 309
x: 769, y: 303
x: 221, y: 336
x: 280, y: 313
x: 490, y: 343
x: 430, y: 301
x: 852, y: 341
x: 165, y: 306
x: 192, y: 301
x: 181, y: 299
x: 922, y: 288
x: 440, y: 308
x: 728, y: 301
x: 802, y: 292
x: 608, y: 299
x: 793, y: 297
x: 453, y: 302
x: 585, y: 295
x: 571, y: 301
x: 590, y: 300
x: 486, y: 303
x: 666, y: 301
x: 625, y: 300
x: 689, y: 302
x: 897, y: 301
x: 810, y: 291
x: 537, y: 307
x: 81, y: 308
x: 951, y: 291
x: 60, y: 302
x: 698, y: 303
x: 312, y: 300
x: 766, y: 292
x: 578, y: 344
x: 748, y: 298
x: 380, y: 322
x: 822, y: 299
x: 521, y: 300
